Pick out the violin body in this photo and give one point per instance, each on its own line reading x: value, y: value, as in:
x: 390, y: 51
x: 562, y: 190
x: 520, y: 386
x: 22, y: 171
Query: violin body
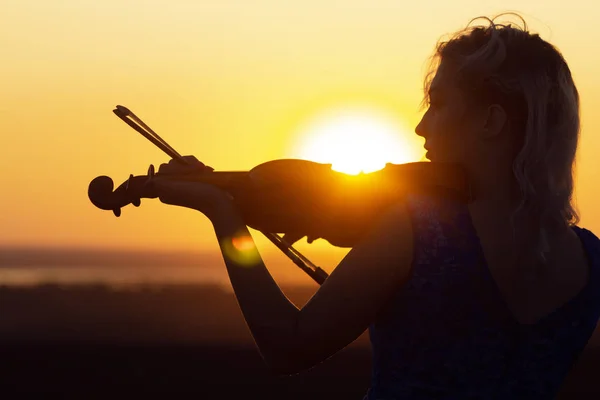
x: 305, y: 198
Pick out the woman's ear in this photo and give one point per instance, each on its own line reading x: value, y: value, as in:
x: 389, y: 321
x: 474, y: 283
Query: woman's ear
x: 495, y: 121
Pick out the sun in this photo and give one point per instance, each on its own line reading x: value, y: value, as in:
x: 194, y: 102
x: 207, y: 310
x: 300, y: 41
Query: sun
x: 356, y: 140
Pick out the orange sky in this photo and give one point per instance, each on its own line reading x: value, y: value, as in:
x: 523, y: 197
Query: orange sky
x: 230, y: 82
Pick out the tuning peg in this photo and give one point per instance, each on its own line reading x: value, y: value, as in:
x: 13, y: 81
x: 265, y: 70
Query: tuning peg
x: 117, y: 212
x: 151, y: 171
x: 136, y: 202
x: 128, y: 182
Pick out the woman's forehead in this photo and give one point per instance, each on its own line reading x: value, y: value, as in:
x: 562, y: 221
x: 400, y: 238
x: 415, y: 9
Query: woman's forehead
x: 443, y: 81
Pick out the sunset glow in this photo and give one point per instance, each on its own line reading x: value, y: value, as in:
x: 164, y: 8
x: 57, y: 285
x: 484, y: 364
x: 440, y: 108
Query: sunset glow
x: 235, y: 84
x: 356, y: 140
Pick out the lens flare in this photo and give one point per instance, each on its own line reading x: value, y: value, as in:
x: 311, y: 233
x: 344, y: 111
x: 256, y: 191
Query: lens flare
x: 243, y: 243
x: 241, y: 249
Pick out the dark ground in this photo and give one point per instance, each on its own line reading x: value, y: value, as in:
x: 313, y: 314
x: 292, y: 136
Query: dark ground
x: 172, y: 342
x: 224, y: 372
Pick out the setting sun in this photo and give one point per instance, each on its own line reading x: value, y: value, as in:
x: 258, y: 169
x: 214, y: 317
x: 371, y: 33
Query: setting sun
x: 356, y: 140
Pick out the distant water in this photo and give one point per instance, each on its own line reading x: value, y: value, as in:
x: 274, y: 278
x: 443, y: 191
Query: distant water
x: 35, y: 266
x: 111, y: 275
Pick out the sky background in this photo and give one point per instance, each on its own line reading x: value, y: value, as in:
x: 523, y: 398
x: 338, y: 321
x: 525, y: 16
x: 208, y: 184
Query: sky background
x: 233, y: 83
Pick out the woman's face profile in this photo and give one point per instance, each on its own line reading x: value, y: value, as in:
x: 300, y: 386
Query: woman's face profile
x: 449, y: 126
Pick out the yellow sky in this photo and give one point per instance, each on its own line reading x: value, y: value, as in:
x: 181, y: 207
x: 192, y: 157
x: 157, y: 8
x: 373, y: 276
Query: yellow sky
x: 227, y: 81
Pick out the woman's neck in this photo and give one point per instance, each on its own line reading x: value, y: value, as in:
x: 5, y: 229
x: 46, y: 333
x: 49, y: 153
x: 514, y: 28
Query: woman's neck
x: 495, y: 188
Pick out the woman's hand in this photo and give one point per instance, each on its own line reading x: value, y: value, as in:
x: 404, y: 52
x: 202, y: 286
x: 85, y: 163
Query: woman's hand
x: 208, y: 199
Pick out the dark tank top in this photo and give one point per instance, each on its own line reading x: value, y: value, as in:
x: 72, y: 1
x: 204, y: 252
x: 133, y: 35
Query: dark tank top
x: 448, y: 334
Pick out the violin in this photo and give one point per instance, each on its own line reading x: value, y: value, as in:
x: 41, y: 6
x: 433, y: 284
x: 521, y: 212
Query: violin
x: 295, y: 197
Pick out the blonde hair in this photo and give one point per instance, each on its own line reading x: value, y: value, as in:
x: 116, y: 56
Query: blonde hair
x: 508, y: 65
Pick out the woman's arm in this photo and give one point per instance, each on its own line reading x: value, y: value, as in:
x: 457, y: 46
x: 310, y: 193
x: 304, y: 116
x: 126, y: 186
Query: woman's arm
x: 291, y: 340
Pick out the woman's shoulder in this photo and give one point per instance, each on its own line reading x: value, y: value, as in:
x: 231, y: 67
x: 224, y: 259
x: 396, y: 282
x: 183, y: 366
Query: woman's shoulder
x: 442, y: 229
x: 438, y: 214
x: 589, y: 239
x: 591, y: 246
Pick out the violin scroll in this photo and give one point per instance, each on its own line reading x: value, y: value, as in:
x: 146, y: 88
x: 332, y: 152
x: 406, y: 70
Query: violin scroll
x: 101, y: 194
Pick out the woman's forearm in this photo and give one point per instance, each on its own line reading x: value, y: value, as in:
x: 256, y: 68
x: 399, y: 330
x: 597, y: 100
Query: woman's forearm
x: 271, y: 317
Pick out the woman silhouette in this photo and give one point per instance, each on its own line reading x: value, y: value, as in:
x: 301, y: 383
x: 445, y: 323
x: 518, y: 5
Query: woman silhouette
x: 495, y: 299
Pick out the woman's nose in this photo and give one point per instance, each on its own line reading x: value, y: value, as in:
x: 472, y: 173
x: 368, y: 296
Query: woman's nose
x: 420, y: 128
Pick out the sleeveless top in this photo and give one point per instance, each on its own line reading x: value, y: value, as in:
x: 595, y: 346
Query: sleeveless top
x: 448, y: 334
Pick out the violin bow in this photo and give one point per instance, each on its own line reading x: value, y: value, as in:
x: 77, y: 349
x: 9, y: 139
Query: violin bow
x: 315, y: 272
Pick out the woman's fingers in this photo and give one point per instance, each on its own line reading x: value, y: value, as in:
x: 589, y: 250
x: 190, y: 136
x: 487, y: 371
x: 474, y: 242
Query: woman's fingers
x: 174, y: 166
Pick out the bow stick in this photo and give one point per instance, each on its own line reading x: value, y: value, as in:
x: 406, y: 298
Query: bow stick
x: 315, y: 272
